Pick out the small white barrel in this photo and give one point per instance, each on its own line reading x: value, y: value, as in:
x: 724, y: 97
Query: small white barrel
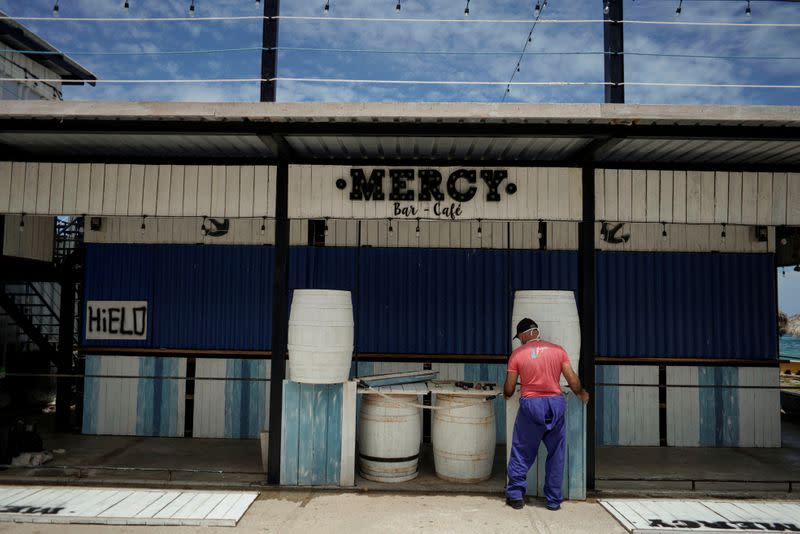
x: 557, y: 316
x: 320, y: 340
x: 463, y: 436
x: 389, y: 434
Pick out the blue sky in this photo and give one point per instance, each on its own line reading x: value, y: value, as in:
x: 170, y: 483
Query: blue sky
x: 79, y: 37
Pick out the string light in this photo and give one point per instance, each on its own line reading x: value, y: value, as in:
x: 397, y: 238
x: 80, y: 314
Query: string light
x: 327, y: 7
x: 55, y: 9
x: 126, y: 6
x: 664, y: 231
x: 480, y: 229
x: 397, y: 7
x: 22, y: 223
x: 537, y: 9
x: 747, y: 10
x: 724, y: 234
x: 144, y: 225
x: 263, y: 225
x: 603, y: 230
x: 417, y: 231
x: 326, y: 227
x: 191, y: 9
x: 390, y: 226
x: 539, y: 233
x: 678, y: 11
x: 203, y: 229
x: 607, y: 7
x: 466, y: 10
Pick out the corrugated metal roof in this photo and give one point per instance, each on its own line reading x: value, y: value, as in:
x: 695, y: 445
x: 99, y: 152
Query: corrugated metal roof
x: 567, y: 134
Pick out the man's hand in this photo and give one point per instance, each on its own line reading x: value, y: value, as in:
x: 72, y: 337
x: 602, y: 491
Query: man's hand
x: 584, y: 396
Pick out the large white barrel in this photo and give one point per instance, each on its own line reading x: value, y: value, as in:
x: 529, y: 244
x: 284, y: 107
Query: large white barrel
x: 463, y: 436
x: 557, y: 316
x: 389, y: 434
x: 320, y: 338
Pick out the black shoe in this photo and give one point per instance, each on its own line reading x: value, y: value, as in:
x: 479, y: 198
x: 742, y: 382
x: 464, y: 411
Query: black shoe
x: 552, y: 507
x: 516, y: 504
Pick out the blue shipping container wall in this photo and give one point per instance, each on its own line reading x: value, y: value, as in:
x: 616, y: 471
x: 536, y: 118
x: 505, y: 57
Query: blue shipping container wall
x: 199, y: 297
x: 686, y: 305
x: 419, y: 301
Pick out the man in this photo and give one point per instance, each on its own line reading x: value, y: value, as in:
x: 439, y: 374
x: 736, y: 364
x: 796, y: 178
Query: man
x: 539, y: 366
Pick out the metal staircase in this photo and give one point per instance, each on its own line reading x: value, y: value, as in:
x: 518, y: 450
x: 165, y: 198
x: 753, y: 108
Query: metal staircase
x: 33, y: 313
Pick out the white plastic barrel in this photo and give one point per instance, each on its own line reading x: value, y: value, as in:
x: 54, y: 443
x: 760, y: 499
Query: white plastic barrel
x: 320, y: 340
x: 463, y: 436
x: 557, y: 316
x: 389, y: 434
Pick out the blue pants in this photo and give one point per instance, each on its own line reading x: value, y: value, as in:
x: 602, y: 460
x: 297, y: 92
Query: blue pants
x: 538, y: 419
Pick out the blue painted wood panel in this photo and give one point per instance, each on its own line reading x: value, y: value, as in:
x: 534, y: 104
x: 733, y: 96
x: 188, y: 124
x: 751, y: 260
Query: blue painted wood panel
x: 312, y: 440
x: 627, y: 414
x: 140, y: 397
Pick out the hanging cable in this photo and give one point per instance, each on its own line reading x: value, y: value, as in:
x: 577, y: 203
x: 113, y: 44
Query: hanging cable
x: 524, y: 48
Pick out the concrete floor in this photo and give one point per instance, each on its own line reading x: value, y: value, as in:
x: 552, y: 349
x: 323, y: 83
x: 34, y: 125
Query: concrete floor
x: 205, y: 463
x: 356, y: 513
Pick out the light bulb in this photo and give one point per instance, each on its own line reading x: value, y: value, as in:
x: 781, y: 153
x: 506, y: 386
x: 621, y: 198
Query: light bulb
x: 143, y: 227
x: 191, y: 9
x: 606, y: 8
x: 126, y: 6
x: 327, y: 8
x: 663, y: 231
x: 724, y: 234
x: 263, y: 225
x: 537, y: 10
x: 747, y: 10
x: 397, y: 7
x: 55, y: 9
x: 466, y: 11
x: 390, y: 226
x: 22, y: 223
x: 678, y: 11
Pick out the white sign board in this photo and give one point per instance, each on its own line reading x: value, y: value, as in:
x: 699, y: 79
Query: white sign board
x: 116, y: 319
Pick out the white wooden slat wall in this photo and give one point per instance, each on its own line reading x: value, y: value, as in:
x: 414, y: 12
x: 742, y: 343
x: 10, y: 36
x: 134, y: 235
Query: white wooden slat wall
x: 179, y: 230
x: 542, y: 193
x: 34, y: 242
x: 638, y: 406
x: 562, y: 235
x: 698, y: 197
x: 683, y: 407
x: 122, y: 189
x: 686, y: 238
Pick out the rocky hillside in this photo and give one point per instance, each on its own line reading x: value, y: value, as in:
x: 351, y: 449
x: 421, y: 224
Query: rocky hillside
x: 789, y: 325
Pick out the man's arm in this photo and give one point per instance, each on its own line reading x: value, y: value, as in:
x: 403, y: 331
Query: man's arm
x: 574, y: 382
x: 511, y: 383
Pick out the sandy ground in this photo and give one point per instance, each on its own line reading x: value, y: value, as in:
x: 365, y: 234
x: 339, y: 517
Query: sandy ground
x: 354, y: 513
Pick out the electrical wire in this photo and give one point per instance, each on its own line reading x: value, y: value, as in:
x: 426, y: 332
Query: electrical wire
x: 407, y: 20
x: 538, y: 10
x: 412, y: 82
x: 399, y: 52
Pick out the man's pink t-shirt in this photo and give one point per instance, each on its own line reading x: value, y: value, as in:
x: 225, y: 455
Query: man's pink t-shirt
x: 539, y: 366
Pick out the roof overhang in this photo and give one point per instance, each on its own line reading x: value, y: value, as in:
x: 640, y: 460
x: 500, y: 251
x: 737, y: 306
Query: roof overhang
x: 16, y: 36
x: 609, y: 135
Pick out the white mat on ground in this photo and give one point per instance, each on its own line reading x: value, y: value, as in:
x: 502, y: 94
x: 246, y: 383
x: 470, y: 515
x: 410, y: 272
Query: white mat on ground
x: 118, y: 506
x: 673, y: 516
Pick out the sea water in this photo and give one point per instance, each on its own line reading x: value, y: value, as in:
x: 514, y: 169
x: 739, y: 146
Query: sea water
x: 790, y: 347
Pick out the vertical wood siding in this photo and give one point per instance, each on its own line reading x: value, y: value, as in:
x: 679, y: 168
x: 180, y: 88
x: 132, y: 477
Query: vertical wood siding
x: 135, y: 406
x: 34, y: 242
x: 626, y: 415
x: 237, y: 408
x: 726, y: 416
x: 698, y: 197
x: 122, y: 189
x: 315, y: 449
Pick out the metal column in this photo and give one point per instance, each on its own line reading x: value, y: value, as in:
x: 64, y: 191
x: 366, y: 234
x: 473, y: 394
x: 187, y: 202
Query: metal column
x: 269, y: 53
x: 280, y: 317
x: 587, y: 298
x: 614, y: 45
